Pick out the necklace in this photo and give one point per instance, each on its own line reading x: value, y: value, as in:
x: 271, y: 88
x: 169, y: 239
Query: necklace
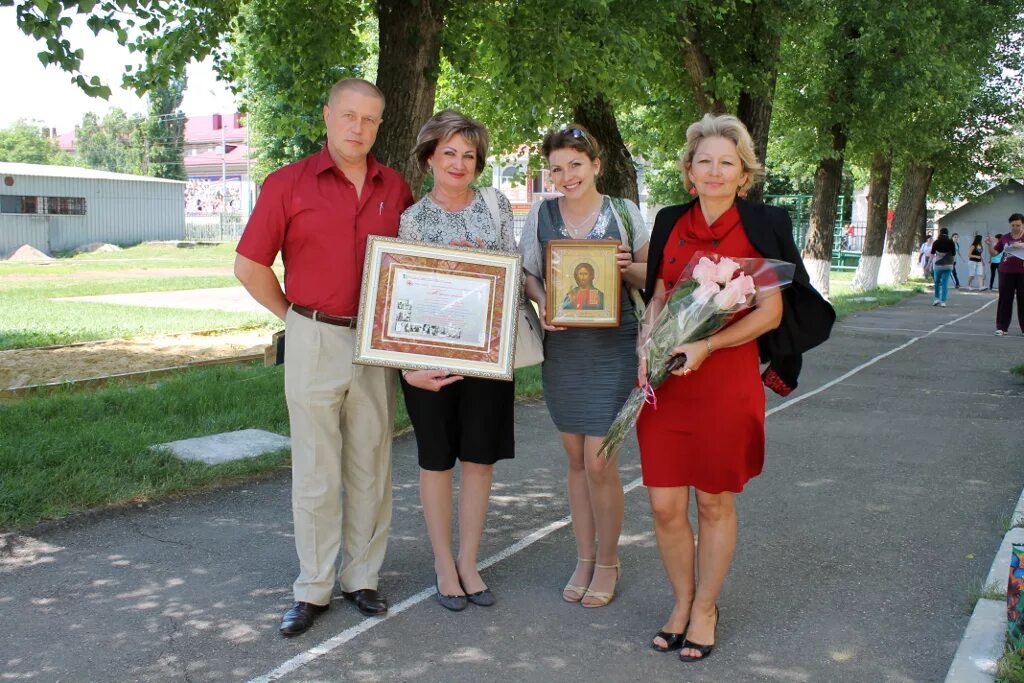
x: 574, y: 228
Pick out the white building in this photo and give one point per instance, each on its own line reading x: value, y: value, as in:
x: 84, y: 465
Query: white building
x: 58, y: 208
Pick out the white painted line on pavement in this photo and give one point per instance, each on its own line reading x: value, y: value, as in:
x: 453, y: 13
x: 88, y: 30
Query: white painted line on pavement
x: 904, y: 329
x: 314, y: 653
x: 303, y: 658
x: 881, y: 356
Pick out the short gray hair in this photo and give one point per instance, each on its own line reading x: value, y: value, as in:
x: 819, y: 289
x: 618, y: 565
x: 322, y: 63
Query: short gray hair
x: 728, y: 127
x: 358, y: 85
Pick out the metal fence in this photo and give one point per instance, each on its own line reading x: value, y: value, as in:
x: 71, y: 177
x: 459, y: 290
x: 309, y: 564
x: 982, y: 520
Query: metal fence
x: 221, y: 227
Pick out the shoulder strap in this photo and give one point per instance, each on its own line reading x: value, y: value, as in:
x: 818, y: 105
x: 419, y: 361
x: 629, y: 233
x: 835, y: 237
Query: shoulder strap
x: 624, y: 219
x: 491, y: 199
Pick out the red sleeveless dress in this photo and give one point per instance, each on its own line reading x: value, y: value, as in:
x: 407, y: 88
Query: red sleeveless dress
x: 707, y: 429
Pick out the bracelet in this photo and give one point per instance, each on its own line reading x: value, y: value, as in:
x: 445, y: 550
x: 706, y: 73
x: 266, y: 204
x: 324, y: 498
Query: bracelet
x: 405, y: 372
x: 707, y: 343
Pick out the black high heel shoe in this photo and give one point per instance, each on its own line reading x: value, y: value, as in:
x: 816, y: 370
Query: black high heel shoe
x: 704, y: 650
x: 674, y: 641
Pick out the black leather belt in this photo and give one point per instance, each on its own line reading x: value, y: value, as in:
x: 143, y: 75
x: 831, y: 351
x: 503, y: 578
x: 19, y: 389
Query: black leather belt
x: 313, y: 314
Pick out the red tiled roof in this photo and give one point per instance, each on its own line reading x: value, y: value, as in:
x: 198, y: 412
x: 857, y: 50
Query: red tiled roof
x: 206, y: 128
x: 197, y: 129
x: 236, y: 155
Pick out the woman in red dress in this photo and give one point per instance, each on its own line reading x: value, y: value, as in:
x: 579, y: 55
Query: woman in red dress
x: 706, y: 429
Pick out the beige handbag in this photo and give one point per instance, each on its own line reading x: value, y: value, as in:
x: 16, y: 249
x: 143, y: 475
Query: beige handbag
x: 529, y: 345
x: 529, y: 336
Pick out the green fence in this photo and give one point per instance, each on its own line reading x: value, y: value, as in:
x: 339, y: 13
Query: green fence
x: 799, y: 208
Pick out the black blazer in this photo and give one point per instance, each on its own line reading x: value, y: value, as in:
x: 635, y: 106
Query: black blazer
x: 807, y: 318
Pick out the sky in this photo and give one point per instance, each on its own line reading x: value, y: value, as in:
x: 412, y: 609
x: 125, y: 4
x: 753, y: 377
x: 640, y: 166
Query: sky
x: 47, y: 95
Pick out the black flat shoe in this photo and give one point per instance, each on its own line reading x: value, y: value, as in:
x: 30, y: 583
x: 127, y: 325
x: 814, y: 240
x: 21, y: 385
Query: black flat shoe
x: 299, y: 617
x: 704, y: 650
x: 484, y: 598
x: 455, y: 603
x: 674, y: 640
x: 368, y: 601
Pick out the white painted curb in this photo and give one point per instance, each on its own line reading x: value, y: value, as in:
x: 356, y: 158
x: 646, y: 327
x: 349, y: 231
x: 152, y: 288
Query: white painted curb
x: 985, y: 636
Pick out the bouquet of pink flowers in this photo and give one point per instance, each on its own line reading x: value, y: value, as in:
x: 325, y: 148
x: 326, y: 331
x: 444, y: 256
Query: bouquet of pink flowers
x: 716, y: 290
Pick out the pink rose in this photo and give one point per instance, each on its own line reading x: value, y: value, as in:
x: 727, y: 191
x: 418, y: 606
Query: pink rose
x: 705, y: 271
x: 725, y: 269
x: 706, y: 292
x: 735, y: 293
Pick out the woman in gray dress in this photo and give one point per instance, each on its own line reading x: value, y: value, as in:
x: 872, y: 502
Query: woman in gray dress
x: 587, y: 372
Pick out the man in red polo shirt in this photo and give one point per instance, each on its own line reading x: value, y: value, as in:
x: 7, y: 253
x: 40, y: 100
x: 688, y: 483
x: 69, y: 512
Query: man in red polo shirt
x: 318, y: 212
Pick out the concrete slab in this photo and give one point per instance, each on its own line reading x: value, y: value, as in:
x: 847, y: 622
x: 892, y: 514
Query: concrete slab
x: 975, y: 659
x: 218, y: 448
x: 233, y: 299
x: 999, y: 573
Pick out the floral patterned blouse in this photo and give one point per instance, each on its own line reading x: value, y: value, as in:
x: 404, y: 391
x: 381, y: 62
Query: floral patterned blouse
x: 425, y: 221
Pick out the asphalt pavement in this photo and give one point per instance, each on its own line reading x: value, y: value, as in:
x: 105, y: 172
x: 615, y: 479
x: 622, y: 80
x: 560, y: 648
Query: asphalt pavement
x: 888, y: 477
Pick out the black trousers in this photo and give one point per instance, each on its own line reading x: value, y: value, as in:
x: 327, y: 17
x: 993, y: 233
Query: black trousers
x: 956, y: 278
x: 1010, y: 285
x: 993, y: 269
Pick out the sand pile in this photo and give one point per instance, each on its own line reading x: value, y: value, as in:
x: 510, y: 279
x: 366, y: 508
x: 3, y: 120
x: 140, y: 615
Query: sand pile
x: 27, y: 252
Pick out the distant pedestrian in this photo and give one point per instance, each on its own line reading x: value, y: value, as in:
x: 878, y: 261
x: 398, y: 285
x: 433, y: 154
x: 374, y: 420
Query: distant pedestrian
x: 1011, y: 274
x: 956, y: 259
x: 925, y: 256
x: 943, y: 254
x: 975, y: 264
x: 993, y: 265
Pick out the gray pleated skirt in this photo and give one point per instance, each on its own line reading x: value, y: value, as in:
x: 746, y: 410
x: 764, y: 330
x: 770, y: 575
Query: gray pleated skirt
x: 587, y: 375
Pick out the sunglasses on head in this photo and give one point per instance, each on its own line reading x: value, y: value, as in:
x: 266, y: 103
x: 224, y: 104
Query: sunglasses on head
x: 580, y: 134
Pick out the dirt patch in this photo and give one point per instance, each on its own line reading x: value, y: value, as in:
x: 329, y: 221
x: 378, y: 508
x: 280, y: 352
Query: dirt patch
x: 25, y: 367
x: 43, y: 276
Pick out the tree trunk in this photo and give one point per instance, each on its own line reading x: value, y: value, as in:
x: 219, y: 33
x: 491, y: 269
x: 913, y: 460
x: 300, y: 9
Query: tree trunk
x: 755, y: 104
x: 756, y: 113
x: 618, y: 172
x: 896, y: 263
x: 408, y: 67
x: 866, y: 277
x: 698, y: 66
x: 828, y: 180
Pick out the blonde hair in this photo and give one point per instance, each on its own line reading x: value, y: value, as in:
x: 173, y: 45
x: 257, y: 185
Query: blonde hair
x: 728, y: 127
x: 443, y: 125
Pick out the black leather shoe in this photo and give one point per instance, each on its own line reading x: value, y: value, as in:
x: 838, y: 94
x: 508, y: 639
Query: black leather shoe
x: 368, y: 601
x: 300, y: 617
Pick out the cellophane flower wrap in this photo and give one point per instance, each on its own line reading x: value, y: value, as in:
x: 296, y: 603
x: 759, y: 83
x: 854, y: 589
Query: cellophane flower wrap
x: 711, y: 291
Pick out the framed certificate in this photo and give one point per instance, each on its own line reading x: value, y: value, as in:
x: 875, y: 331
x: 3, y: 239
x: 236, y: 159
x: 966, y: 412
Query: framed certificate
x: 426, y: 306
x: 583, y: 283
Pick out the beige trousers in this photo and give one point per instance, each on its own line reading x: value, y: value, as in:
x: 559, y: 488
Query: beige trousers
x: 341, y: 418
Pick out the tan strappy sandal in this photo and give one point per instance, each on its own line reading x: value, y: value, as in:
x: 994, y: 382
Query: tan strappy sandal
x: 600, y: 597
x: 573, y: 593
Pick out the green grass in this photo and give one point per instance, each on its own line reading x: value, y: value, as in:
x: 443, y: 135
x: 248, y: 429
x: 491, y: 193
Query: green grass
x: 976, y: 591
x: 31, y: 317
x: 1010, y: 668
x: 846, y: 300
x: 1018, y: 370
x: 73, y: 450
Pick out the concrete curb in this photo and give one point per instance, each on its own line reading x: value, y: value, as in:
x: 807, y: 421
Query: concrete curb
x: 985, y: 635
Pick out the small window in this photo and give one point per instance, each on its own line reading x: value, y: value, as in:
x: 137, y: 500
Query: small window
x: 56, y: 206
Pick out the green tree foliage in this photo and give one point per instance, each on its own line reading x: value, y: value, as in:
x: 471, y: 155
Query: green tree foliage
x: 25, y: 143
x: 286, y: 54
x: 114, y: 143
x: 164, y: 132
